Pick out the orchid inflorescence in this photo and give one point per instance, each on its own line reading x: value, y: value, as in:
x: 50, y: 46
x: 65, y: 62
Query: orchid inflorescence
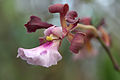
x: 78, y: 31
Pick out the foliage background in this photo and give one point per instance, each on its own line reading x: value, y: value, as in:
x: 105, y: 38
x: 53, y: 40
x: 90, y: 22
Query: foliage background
x: 15, y: 13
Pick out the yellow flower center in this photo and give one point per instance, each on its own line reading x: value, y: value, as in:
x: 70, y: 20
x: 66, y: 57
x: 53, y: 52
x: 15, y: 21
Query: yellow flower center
x: 48, y: 38
x: 51, y: 37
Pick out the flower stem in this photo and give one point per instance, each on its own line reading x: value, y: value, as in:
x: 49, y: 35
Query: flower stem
x: 114, y: 62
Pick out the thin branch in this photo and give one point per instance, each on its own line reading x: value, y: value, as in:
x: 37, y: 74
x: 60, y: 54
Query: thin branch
x: 114, y: 62
x: 92, y: 28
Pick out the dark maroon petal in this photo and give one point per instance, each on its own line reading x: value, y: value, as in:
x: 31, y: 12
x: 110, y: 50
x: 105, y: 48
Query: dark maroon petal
x: 78, y: 42
x: 70, y: 17
x: 59, y: 8
x: 35, y: 23
x: 86, y: 21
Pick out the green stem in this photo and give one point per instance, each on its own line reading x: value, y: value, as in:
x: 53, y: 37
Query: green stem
x: 114, y: 62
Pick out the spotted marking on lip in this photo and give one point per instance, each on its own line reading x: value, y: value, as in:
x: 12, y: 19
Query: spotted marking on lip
x: 43, y: 52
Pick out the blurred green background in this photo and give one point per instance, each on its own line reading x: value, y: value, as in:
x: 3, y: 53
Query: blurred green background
x: 15, y: 13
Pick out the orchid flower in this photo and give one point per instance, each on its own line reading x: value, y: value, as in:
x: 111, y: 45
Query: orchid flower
x: 79, y: 32
x: 47, y: 53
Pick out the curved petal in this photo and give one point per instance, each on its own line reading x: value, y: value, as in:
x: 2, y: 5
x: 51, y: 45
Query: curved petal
x: 35, y: 23
x: 45, y: 55
x: 62, y: 9
x: 54, y: 30
x: 78, y: 42
x: 48, y: 31
x: 70, y: 17
x: 57, y: 31
x: 59, y: 8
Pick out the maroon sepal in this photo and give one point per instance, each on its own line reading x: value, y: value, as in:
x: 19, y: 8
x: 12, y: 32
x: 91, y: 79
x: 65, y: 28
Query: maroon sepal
x: 78, y: 42
x: 59, y: 8
x: 71, y: 17
x: 35, y: 23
